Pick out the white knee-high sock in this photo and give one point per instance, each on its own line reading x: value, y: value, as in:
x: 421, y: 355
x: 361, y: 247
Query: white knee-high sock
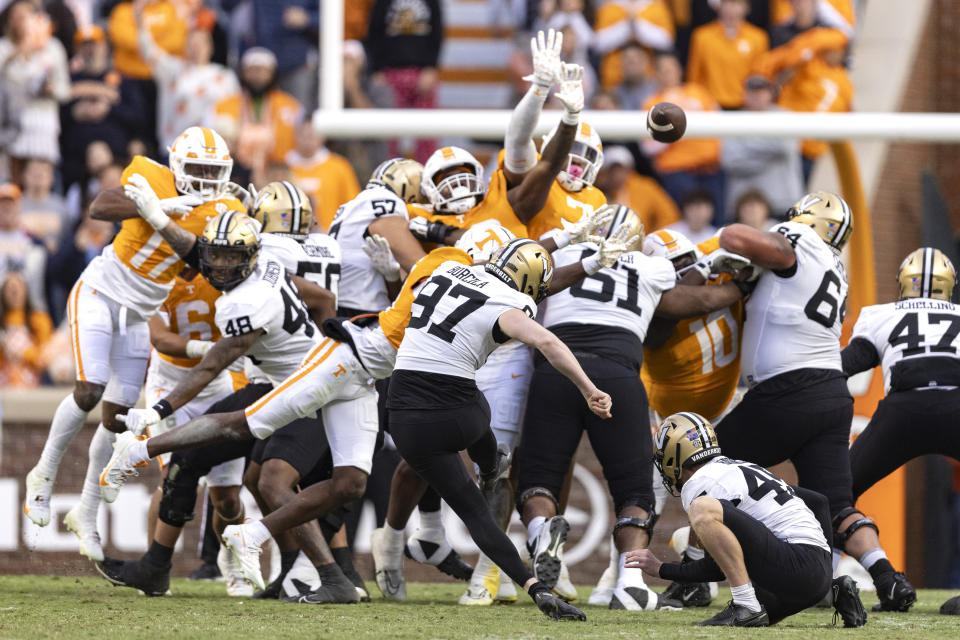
x: 101, y: 449
x: 631, y: 577
x: 67, y: 421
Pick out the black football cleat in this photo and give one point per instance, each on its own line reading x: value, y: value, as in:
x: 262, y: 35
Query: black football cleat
x: 736, y: 615
x: 895, y: 592
x: 330, y: 592
x: 556, y: 608
x: 951, y: 607
x: 846, y: 602
x: 208, y: 572
x: 151, y: 580
x: 689, y: 594
x: 274, y: 590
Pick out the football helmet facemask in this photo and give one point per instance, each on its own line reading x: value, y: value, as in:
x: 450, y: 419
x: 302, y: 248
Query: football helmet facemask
x: 201, y: 162
x: 584, y: 159
x: 827, y: 214
x: 283, y: 208
x: 672, y: 245
x: 927, y: 273
x: 452, y: 181
x: 482, y: 239
x: 683, y: 440
x: 229, y: 246
x: 400, y: 175
x: 524, y: 265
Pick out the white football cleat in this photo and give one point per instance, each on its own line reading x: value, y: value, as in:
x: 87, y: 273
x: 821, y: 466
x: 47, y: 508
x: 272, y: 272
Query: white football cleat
x: 119, y: 468
x: 547, y: 550
x: 642, y: 598
x: 484, y: 584
x: 388, y: 564
x: 237, y: 586
x: 507, y: 594
x: 564, y: 587
x: 36, y: 505
x: 603, y: 592
x: 85, y: 528
x: 247, y: 555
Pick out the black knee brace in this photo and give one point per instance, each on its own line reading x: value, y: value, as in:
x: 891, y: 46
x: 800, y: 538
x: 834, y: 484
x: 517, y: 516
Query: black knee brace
x: 840, y: 537
x: 179, y: 495
x: 640, y: 523
x: 536, y: 491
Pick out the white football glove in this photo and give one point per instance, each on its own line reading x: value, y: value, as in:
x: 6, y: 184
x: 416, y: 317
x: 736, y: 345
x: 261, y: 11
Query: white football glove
x: 139, y: 420
x: 570, y: 92
x: 378, y: 250
x: 179, y: 205
x: 586, y: 227
x: 546, y: 58
x: 148, y: 205
x: 610, y: 249
x: 246, y: 196
x: 198, y: 348
x: 721, y: 261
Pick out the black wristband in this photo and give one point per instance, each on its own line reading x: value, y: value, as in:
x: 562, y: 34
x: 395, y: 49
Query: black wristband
x: 438, y: 232
x: 163, y: 408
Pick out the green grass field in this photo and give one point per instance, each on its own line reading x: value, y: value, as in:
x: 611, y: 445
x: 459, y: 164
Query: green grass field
x: 67, y: 607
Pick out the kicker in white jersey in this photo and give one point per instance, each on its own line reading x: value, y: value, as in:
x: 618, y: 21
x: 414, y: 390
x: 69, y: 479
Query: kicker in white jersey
x: 755, y: 491
x: 794, y: 317
x: 453, y: 321
x: 364, y: 289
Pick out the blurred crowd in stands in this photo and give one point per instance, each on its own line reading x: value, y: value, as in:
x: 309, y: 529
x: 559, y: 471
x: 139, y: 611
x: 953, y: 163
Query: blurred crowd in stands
x: 87, y: 84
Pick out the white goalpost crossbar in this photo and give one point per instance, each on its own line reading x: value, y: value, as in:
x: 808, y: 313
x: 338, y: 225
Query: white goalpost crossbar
x: 333, y: 121
x: 490, y: 124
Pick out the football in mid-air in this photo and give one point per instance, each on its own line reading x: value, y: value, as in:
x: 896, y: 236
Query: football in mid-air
x: 666, y: 122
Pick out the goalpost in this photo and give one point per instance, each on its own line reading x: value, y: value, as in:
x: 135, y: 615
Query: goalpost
x: 333, y: 121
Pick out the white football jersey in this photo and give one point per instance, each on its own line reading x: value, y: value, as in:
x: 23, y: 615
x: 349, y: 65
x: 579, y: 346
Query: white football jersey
x: 906, y: 331
x: 794, y: 322
x: 759, y: 494
x: 623, y: 296
x: 268, y: 300
x: 317, y: 259
x: 364, y: 289
x: 452, y: 320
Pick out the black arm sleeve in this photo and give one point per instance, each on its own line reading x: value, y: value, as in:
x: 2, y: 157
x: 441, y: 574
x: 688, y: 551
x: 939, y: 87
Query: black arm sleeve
x: 193, y: 258
x: 859, y: 355
x: 705, y: 570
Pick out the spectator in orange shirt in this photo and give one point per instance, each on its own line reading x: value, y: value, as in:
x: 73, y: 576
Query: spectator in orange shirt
x: 325, y: 176
x: 689, y: 163
x: 620, y: 183
x: 836, y: 14
x: 810, y: 69
x: 259, y: 121
x: 620, y: 22
x: 723, y: 52
x: 169, y: 30
x: 24, y: 332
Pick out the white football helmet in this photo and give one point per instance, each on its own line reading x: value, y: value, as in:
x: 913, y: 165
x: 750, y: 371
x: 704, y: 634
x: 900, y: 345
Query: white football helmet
x: 483, y: 238
x: 585, y: 158
x: 452, y: 192
x: 670, y: 244
x: 201, y: 162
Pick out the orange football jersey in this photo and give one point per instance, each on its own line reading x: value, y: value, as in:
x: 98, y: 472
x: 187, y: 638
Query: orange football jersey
x: 190, y: 309
x: 139, y: 246
x: 394, y: 321
x: 564, y: 205
x: 698, y: 367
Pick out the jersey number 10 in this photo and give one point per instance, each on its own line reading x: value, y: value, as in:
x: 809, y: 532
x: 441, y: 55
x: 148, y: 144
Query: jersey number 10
x: 712, y: 337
